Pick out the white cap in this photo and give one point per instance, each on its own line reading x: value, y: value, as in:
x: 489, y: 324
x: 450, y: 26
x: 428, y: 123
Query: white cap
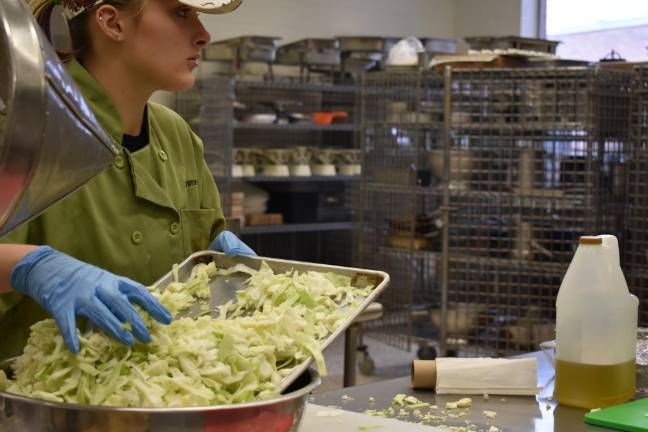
x: 213, y: 6
x: 205, y: 6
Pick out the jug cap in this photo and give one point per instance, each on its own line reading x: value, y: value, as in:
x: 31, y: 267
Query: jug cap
x: 590, y: 240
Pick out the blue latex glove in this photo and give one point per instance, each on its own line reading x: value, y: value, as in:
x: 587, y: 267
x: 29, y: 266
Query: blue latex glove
x: 231, y: 245
x: 67, y: 287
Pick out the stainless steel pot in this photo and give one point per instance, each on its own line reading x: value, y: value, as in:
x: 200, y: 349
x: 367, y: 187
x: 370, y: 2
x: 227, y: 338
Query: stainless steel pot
x: 50, y: 142
x: 282, y: 414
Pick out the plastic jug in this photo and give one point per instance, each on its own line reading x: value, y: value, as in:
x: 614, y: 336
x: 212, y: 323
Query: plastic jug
x: 596, y: 328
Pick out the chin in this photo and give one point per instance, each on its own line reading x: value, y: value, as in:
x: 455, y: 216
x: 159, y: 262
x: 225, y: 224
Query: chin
x: 181, y: 84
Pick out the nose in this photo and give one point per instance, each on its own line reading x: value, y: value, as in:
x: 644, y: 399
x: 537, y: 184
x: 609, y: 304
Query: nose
x: 202, y: 36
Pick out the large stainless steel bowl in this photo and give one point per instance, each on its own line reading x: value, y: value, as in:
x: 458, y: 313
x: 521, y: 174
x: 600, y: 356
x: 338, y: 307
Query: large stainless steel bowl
x: 282, y: 414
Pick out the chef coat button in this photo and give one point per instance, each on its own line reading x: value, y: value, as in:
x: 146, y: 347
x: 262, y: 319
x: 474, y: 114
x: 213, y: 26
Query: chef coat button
x: 119, y: 162
x: 174, y: 228
x: 137, y: 237
x: 163, y: 155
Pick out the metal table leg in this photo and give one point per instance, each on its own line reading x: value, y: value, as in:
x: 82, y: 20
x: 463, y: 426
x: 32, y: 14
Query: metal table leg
x: 351, y: 335
x: 351, y: 354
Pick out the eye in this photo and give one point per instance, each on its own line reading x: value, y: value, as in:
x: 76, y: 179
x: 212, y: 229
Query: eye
x: 184, y: 12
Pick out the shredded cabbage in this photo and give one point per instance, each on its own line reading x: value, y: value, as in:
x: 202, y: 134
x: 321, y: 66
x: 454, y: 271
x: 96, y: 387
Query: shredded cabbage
x: 276, y: 322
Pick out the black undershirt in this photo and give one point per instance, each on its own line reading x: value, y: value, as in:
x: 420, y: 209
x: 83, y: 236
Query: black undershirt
x: 133, y: 143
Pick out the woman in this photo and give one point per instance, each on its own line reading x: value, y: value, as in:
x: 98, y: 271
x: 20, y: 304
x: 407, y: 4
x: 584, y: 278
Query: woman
x: 153, y: 207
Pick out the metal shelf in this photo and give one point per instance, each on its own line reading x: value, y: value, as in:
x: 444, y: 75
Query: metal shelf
x: 549, y: 131
x: 403, y: 189
x: 294, y: 179
x: 297, y: 86
x: 296, y: 127
x: 421, y: 254
x: 295, y: 228
x: 524, y: 130
x: 542, y: 267
x: 403, y: 125
x: 563, y: 201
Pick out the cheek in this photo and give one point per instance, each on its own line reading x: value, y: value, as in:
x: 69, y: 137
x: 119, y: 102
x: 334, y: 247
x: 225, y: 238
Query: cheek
x: 162, y: 63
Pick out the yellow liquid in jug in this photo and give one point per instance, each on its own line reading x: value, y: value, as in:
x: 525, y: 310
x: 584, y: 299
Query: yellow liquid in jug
x: 594, y: 386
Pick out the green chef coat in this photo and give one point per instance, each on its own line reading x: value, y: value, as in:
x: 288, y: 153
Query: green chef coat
x: 147, y: 211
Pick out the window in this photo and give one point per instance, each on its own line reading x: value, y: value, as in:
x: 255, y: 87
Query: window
x: 591, y: 29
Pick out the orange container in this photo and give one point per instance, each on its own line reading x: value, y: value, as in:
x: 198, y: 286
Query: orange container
x: 327, y: 118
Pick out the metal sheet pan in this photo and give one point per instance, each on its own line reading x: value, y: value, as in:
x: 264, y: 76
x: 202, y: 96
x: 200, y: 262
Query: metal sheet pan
x: 224, y: 288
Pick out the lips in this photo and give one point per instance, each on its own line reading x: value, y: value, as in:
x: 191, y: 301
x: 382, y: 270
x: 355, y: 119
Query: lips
x: 193, y: 61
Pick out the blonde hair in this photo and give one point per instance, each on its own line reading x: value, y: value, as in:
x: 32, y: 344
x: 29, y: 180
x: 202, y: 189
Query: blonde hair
x: 79, y: 33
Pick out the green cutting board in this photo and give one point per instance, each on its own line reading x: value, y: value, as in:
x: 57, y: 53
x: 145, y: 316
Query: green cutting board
x: 629, y: 416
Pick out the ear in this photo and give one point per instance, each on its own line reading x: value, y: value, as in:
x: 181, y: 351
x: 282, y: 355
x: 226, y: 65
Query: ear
x: 110, y: 21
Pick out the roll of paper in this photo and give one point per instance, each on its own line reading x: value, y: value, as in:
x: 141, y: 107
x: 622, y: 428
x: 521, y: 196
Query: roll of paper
x: 424, y: 374
x: 477, y: 376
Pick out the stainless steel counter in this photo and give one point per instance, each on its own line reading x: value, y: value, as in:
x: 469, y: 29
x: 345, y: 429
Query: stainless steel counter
x: 514, y: 413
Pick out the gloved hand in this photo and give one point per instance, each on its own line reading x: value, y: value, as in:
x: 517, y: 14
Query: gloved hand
x: 67, y: 287
x: 231, y: 245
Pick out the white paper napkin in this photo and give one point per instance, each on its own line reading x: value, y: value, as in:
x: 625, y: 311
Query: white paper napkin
x: 487, y: 376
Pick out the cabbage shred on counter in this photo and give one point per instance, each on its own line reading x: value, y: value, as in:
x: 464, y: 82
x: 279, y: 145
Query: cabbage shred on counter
x: 276, y: 322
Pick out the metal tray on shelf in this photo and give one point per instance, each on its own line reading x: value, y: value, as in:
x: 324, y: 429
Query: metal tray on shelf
x: 316, y: 52
x: 245, y: 48
x: 224, y: 288
x: 366, y: 43
x: 512, y: 42
x: 439, y: 45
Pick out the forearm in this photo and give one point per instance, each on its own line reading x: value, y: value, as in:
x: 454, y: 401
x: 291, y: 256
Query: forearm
x: 10, y: 254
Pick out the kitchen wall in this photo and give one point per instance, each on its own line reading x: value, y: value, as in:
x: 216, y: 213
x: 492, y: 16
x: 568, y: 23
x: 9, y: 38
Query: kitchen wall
x: 297, y: 19
x: 496, y: 18
x: 487, y: 17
